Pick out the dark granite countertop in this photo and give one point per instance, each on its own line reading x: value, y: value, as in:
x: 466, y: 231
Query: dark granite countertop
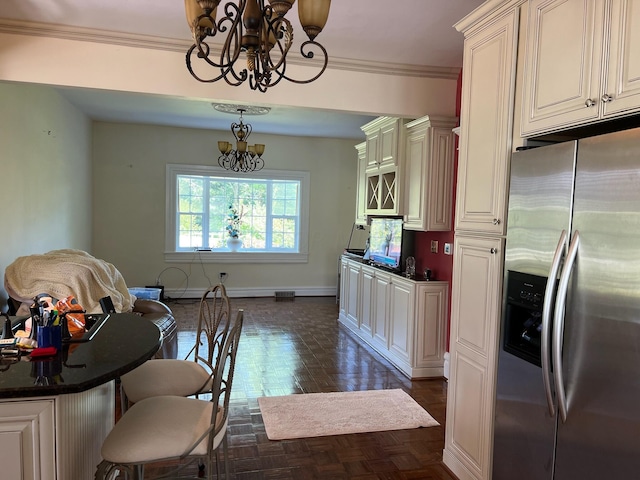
x: 359, y: 258
x: 125, y: 341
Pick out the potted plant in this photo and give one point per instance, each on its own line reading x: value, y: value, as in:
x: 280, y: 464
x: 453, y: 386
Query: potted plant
x: 234, y: 220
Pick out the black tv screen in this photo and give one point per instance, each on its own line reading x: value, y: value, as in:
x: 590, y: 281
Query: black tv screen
x: 385, y: 242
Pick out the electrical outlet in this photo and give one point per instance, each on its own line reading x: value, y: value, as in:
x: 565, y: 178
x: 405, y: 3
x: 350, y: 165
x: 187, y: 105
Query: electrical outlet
x: 434, y: 246
x: 222, y: 276
x: 447, y: 249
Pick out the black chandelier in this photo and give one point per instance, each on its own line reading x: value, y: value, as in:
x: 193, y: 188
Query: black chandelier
x: 245, y: 158
x: 259, y: 30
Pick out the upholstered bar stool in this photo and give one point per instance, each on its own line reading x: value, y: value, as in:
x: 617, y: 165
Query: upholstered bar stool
x: 170, y: 428
x: 194, y: 374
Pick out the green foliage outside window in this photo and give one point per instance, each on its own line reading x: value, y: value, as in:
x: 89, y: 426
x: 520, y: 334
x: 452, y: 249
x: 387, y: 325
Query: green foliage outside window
x: 270, y: 212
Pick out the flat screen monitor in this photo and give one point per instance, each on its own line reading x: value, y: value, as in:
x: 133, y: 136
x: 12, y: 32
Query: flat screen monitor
x: 385, y: 242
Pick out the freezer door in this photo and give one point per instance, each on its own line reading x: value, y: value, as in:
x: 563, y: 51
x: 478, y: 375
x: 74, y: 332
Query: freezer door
x: 601, y: 350
x: 540, y: 204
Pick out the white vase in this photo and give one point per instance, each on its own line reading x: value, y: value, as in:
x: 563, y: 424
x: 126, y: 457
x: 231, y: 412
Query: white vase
x: 234, y: 243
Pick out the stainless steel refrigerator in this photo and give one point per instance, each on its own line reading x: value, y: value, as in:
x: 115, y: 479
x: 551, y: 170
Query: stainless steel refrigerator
x: 568, y: 380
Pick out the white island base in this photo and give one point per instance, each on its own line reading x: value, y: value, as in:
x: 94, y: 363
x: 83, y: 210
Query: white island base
x: 56, y: 437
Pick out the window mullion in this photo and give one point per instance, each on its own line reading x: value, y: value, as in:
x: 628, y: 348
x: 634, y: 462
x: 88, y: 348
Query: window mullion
x: 205, y: 212
x: 269, y: 215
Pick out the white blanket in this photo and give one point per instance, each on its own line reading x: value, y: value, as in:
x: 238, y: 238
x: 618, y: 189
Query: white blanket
x: 61, y: 273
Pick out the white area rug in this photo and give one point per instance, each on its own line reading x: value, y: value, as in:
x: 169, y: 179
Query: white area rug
x: 320, y: 414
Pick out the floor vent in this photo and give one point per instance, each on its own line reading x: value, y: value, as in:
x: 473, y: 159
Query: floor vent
x: 285, y: 296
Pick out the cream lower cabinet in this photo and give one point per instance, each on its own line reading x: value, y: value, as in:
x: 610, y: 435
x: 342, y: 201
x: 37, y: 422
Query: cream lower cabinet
x: 349, y: 291
x: 473, y: 347
x: 400, y: 318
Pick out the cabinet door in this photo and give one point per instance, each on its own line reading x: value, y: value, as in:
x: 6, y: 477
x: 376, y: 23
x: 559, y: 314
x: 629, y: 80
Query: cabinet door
x: 622, y: 85
x: 475, y: 312
x: 563, y: 64
x: 361, y: 187
x: 486, y: 121
x: 389, y: 199
x: 383, y: 193
x: 372, y: 149
x: 372, y: 193
x: 416, y: 178
x: 389, y: 135
x: 380, y: 306
x: 27, y: 440
x: 367, y: 279
x: 344, y: 286
x: 431, y: 312
x: 353, y: 284
x: 401, y: 324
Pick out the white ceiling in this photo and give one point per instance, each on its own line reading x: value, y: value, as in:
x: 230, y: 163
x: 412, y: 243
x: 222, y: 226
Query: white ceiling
x: 406, y: 32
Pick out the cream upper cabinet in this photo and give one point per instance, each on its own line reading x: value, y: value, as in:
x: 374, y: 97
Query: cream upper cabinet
x: 486, y: 121
x: 429, y: 174
x: 382, y: 145
x: 361, y: 189
x: 582, y: 63
x: 622, y: 85
x: 475, y: 315
x: 384, y: 166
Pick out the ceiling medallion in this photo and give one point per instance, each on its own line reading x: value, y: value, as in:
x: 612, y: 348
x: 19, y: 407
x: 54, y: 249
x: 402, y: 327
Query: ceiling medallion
x: 246, y: 109
x: 261, y: 32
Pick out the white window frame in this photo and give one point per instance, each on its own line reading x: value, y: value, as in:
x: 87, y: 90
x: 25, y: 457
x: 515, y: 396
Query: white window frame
x: 171, y: 255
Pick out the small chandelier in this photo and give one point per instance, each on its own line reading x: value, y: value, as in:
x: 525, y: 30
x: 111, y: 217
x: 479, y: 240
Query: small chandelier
x: 259, y: 30
x: 245, y: 158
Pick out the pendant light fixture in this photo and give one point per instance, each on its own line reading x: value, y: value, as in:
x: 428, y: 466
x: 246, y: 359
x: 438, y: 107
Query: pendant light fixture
x: 259, y: 30
x: 245, y: 157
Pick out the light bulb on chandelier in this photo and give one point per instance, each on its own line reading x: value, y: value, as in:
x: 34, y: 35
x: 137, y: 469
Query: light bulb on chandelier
x: 245, y: 158
x: 260, y: 31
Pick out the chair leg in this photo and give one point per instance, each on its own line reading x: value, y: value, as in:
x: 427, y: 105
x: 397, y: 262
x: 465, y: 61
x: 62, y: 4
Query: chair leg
x: 108, y: 471
x: 225, y: 450
x: 138, y: 472
x: 124, y: 401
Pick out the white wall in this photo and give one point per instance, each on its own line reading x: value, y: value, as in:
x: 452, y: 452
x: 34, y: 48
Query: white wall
x: 129, y: 206
x: 45, y: 188
x: 125, y: 66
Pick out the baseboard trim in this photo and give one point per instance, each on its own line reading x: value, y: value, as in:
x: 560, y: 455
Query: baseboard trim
x: 457, y: 467
x: 176, y: 293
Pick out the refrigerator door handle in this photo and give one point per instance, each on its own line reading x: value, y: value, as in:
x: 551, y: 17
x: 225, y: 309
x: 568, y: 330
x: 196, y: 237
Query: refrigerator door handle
x: 558, y: 325
x: 546, y: 321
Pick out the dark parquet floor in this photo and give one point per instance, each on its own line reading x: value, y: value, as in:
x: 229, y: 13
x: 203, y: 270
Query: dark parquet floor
x: 298, y: 347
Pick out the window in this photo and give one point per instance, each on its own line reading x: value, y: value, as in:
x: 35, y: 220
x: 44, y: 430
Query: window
x: 272, y: 206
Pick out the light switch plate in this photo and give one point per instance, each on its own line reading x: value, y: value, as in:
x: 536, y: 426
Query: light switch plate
x: 447, y: 249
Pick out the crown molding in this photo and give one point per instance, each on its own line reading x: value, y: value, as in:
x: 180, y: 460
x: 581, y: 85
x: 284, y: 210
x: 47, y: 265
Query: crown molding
x: 82, y: 34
